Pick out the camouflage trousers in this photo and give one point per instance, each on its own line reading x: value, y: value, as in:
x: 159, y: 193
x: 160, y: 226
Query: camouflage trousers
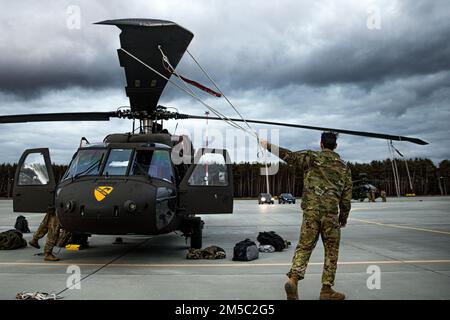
x: 50, y: 225
x: 314, y: 224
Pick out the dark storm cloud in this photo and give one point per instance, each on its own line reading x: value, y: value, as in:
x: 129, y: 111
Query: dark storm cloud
x: 268, y: 46
x: 413, y: 40
x: 40, y: 53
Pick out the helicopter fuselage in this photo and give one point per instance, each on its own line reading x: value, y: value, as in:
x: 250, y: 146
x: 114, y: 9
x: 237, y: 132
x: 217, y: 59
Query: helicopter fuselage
x: 130, y: 184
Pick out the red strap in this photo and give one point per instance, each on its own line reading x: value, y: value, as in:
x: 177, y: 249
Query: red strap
x: 201, y: 87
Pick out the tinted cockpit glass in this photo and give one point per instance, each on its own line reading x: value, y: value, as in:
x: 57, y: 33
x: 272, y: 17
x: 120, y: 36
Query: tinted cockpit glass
x: 154, y: 163
x: 117, y: 163
x: 33, y: 170
x: 86, y: 162
x: 211, y: 170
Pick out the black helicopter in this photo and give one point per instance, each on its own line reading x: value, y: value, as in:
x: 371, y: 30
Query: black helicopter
x: 361, y: 189
x: 130, y: 183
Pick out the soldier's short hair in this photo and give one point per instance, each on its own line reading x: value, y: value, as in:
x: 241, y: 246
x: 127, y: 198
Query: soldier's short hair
x: 328, y: 139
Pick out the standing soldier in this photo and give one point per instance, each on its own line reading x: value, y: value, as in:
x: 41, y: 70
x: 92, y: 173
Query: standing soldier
x: 50, y: 225
x: 372, y: 195
x: 327, y: 192
x: 383, y: 195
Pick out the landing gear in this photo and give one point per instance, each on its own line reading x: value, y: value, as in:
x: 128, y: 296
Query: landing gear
x: 197, y: 234
x: 192, y: 227
x: 81, y: 239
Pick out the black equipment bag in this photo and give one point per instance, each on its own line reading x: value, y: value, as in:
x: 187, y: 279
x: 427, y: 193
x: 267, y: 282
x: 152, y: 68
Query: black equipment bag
x: 245, y: 250
x: 273, y: 239
x: 22, y: 224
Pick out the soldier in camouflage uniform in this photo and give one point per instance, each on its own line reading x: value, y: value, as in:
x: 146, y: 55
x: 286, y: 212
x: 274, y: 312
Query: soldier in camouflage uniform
x: 383, y: 195
x: 49, y: 225
x: 327, y: 192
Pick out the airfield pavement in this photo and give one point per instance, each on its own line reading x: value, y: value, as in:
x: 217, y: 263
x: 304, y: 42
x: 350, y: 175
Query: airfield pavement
x: 408, y: 239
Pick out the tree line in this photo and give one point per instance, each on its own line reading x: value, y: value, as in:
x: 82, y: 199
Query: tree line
x: 426, y: 177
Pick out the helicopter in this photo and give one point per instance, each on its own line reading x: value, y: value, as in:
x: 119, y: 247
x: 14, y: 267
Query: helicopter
x: 361, y: 189
x: 130, y: 183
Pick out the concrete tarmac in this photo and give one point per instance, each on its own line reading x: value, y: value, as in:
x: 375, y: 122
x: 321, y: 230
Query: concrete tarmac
x: 407, y: 240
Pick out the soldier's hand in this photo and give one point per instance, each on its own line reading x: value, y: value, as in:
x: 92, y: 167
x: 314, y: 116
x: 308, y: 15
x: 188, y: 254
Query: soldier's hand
x: 342, y: 221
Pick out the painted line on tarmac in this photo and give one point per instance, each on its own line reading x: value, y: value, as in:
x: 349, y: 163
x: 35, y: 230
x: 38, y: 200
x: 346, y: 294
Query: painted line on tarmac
x: 217, y: 265
x: 399, y: 226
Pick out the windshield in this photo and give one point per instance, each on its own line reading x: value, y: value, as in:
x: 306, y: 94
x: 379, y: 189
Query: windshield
x: 86, y: 162
x: 117, y: 163
x: 154, y: 163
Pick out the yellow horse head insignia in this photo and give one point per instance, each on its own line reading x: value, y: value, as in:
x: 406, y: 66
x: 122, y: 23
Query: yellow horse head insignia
x: 100, y: 193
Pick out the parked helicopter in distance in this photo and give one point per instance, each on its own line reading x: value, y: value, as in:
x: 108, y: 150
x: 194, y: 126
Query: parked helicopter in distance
x: 130, y: 183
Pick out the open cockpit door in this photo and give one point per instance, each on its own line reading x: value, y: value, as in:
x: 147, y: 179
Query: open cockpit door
x: 207, y: 186
x: 34, y: 182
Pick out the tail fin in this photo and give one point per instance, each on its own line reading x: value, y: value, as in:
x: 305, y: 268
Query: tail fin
x: 141, y: 37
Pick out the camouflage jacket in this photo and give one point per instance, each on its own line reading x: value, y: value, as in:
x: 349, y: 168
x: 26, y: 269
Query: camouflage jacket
x: 327, y: 183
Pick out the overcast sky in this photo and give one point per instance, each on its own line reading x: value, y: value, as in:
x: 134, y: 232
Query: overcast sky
x: 381, y: 66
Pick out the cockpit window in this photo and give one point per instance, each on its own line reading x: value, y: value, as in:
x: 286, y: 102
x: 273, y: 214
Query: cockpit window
x: 117, y: 163
x: 87, y: 162
x: 155, y: 163
x: 211, y: 170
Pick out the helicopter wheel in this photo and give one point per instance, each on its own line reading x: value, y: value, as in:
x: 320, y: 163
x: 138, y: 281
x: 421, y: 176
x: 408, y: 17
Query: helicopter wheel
x: 197, y: 233
x: 81, y: 239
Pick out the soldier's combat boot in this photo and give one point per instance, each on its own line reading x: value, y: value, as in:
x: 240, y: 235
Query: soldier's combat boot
x: 34, y: 243
x: 50, y: 257
x: 329, y: 294
x: 291, y: 288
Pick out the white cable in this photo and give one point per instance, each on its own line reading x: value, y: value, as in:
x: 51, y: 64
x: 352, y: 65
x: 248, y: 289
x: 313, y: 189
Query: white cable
x: 170, y: 81
x: 193, y: 94
x: 261, y: 149
x: 220, y: 91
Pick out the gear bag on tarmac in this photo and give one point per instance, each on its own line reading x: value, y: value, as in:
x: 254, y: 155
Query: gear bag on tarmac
x: 22, y: 224
x: 211, y: 253
x: 272, y: 239
x: 245, y: 250
x: 11, y: 239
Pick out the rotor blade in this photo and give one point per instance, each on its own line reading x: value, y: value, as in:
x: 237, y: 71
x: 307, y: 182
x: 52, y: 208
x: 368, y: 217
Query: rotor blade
x: 74, y: 116
x: 350, y: 132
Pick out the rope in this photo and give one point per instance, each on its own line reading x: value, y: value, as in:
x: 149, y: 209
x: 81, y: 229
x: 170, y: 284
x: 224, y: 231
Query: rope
x: 220, y: 91
x: 190, y: 92
x: 193, y: 94
x: 106, y: 265
x: 394, y: 168
x: 37, y: 296
x: 406, y: 164
x: 261, y: 149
